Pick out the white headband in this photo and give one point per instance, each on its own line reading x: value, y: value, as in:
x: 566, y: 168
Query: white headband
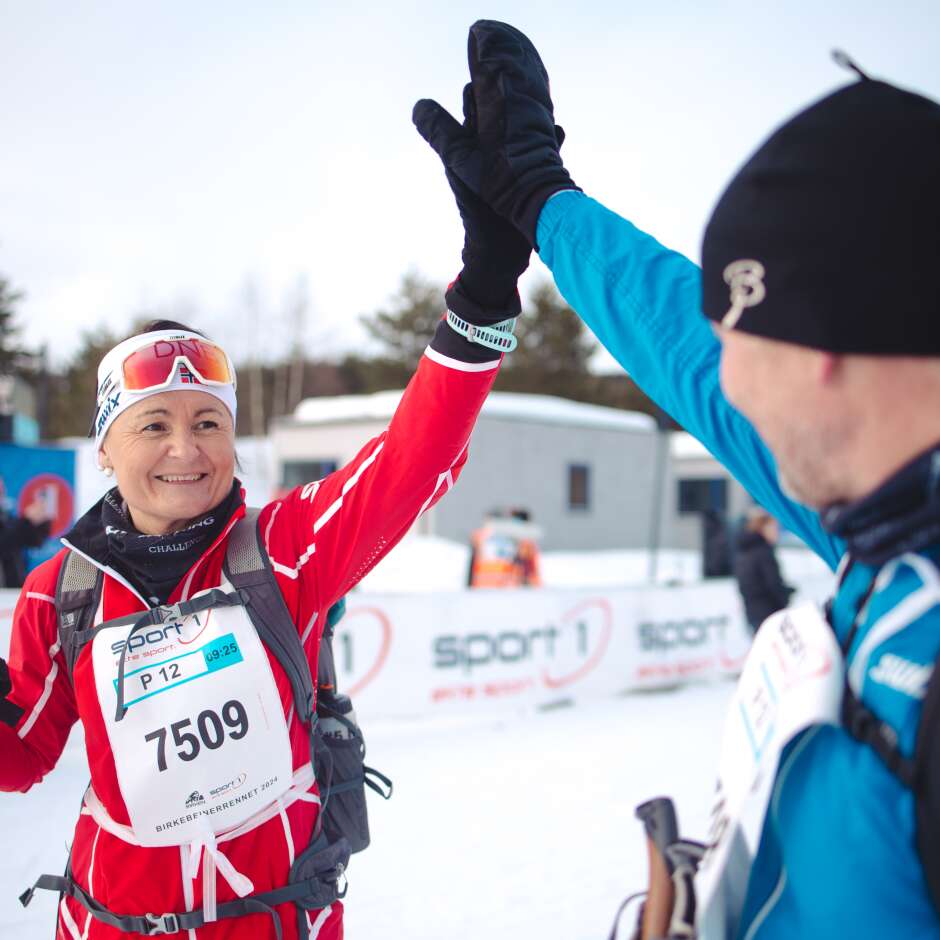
x: 113, y: 398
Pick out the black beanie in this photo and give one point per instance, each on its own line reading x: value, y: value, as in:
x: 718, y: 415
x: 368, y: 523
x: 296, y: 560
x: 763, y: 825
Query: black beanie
x: 829, y: 236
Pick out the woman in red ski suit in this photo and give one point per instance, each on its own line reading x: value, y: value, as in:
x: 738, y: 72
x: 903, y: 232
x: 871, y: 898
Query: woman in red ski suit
x: 159, y: 537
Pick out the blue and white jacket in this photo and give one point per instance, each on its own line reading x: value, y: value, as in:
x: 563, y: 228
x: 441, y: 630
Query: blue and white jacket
x: 837, y: 855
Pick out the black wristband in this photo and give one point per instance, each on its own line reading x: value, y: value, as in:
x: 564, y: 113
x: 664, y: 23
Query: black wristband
x: 483, y: 308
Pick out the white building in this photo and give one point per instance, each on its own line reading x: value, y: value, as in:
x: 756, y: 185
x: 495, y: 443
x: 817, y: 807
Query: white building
x: 591, y: 477
x: 696, y: 483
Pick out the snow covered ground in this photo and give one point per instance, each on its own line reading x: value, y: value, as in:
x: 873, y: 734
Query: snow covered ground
x: 518, y: 828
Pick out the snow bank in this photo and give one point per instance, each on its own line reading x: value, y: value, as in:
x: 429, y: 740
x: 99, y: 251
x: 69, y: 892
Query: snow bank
x: 421, y: 563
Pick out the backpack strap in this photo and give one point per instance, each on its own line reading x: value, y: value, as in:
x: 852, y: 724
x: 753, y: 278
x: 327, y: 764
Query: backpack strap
x: 920, y: 773
x: 927, y: 786
x: 326, y: 665
x: 248, y: 568
x: 865, y: 726
x: 857, y: 718
x: 77, y: 594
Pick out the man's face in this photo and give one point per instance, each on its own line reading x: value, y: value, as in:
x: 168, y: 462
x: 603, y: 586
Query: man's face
x: 782, y: 390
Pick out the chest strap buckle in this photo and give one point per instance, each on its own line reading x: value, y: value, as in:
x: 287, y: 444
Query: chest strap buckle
x: 162, y: 924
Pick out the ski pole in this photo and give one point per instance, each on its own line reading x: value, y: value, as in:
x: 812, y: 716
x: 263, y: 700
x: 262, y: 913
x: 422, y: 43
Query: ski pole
x: 662, y: 830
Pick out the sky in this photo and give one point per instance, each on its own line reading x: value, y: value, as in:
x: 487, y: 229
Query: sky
x: 218, y: 161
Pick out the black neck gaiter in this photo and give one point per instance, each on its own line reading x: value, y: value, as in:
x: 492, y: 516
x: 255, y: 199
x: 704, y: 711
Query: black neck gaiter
x: 155, y: 564
x: 902, y: 515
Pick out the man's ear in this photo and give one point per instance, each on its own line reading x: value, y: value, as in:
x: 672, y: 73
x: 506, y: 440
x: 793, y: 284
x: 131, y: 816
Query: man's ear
x: 829, y: 367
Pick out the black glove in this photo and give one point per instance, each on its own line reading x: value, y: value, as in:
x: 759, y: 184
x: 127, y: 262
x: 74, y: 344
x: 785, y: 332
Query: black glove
x: 512, y: 162
x: 10, y: 714
x: 494, y: 252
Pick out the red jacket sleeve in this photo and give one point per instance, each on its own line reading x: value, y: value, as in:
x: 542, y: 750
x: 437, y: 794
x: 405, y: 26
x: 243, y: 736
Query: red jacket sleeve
x: 40, y: 684
x: 327, y: 535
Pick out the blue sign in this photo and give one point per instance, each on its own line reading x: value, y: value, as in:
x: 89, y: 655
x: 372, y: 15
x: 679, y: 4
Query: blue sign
x: 40, y: 480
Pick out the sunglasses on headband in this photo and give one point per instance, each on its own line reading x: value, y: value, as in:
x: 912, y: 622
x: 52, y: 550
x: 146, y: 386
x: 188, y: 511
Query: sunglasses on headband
x: 153, y: 366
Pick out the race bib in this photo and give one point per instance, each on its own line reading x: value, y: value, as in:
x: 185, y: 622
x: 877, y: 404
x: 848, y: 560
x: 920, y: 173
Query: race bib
x: 792, y: 679
x: 204, y: 743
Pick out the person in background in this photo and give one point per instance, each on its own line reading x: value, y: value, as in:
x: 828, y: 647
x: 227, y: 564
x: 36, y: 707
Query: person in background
x: 17, y: 533
x: 716, y: 545
x: 527, y: 550
x: 504, y: 552
x: 756, y: 569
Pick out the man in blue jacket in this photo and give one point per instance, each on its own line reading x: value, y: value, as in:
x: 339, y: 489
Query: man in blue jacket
x: 814, y: 376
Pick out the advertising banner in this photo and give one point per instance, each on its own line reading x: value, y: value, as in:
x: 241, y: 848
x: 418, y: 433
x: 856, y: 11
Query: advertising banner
x: 43, y: 475
x: 473, y: 650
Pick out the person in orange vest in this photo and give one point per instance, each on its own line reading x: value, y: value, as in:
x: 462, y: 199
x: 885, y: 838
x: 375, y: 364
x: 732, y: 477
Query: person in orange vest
x: 505, y: 552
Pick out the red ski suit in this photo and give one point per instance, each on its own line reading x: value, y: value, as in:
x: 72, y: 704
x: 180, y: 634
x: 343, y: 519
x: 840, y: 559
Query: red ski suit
x: 322, y: 538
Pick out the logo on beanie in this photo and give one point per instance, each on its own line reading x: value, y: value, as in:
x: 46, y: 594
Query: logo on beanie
x: 746, y: 280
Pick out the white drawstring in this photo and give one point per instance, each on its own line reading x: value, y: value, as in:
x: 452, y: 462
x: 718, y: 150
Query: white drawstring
x: 213, y: 861
x: 241, y: 884
x: 206, y: 846
x: 208, y: 887
x: 288, y: 836
x: 192, y: 863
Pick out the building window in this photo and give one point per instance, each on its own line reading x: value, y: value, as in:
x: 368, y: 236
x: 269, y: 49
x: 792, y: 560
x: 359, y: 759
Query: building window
x: 579, y: 486
x: 703, y: 495
x: 297, y: 472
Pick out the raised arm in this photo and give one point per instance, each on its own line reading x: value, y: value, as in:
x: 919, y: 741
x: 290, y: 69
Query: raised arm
x: 339, y: 528
x: 642, y: 300
x: 346, y: 523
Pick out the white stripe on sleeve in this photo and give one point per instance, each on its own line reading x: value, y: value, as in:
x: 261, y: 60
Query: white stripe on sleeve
x: 46, y: 691
x: 459, y: 366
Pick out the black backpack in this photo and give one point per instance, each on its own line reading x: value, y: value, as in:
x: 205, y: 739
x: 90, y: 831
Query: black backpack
x: 317, y: 877
x: 919, y: 773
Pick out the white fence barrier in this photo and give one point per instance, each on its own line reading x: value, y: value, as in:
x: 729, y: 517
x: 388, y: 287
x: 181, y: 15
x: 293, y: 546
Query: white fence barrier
x: 409, y: 655
x: 473, y: 650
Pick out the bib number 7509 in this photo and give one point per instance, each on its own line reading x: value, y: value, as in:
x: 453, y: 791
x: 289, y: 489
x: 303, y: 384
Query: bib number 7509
x: 209, y: 731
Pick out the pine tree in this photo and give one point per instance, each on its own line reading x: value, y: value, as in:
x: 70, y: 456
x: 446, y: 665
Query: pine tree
x: 71, y: 405
x: 554, y: 352
x: 552, y: 337
x: 553, y: 356
x: 403, y: 331
x: 10, y: 350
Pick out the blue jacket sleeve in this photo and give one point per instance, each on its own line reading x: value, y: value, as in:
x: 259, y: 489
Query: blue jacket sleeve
x: 642, y: 301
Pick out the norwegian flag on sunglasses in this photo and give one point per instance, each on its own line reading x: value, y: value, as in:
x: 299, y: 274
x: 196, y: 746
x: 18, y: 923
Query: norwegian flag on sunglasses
x: 186, y: 376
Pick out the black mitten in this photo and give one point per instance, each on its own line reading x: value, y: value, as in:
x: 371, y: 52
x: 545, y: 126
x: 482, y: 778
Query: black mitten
x: 494, y: 252
x: 10, y: 714
x: 511, y: 161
